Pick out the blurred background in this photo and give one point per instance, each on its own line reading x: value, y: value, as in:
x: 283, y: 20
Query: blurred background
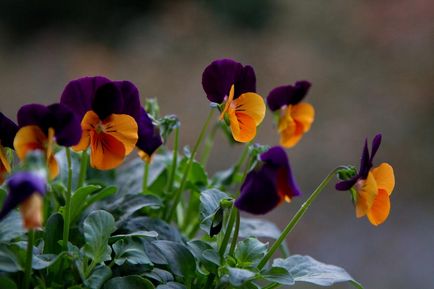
x: 372, y: 69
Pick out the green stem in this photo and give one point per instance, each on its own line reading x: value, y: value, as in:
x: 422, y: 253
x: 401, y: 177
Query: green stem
x: 29, y: 257
x: 67, y: 213
x: 272, y: 286
x: 294, y: 221
x: 178, y: 193
x: 228, y: 231
x: 236, y: 232
x: 145, y: 177
x: 209, y: 145
x: 242, y: 159
x: 174, y: 160
x: 83, y: 168
x: 209, y: 280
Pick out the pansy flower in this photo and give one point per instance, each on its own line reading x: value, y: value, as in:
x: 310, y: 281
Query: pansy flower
x: 110, y: 112
x: 149, y: 137
x: 8, y: 130
x: 295, y: 117
x: 233, y: 86
x: 40, y: 126
x: 269, y: 184
x: 26, y: 190
x: 373, y: 186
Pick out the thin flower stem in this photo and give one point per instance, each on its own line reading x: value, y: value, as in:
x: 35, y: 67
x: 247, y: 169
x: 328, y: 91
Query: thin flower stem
x: 29, y: 258
x: 209, y: 143
x: 228, y: 231
x: 272, y: 286
x: 174, y: 160
x: 294, y: 221
x: 178, y: 193
x: 67, y: 213
x: 145, y: 177
x: 83, y: 168
x: 242, y: 159
x: 236, y: 232
x: 209, y: 280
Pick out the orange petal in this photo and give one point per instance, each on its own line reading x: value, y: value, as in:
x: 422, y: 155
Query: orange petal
x: 384, y: 177
x: 290, y: 131
x: 367, y: 191
x: 380, y: 209
x: 31, y: 211
x: 304, y: 114
x: 251, y: 104
x: 106, y: 151
x: 89, y: 122
x: 228, y: 102
x: 243, y: 126
x: 124, y: 128
x: 144, y: 156
x: 53, y: 167
x: 29, y: 138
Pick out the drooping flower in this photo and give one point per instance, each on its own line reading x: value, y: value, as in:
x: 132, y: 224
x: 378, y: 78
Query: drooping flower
x: 110, y: 112
x: 295, y: 117
x: 26, y: 190
x: 230, y: 83
x: 373, y: 186
x: 8, y: 130
x: 40, y: 126
x: 149, y: 136
x: 269, y: 184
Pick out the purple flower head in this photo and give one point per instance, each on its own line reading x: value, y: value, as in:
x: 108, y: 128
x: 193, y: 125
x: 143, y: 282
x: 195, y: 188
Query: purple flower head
x: 8, y: 130
x: 220, y: 75
x: 366, y: 164
x: 270, y: 184
x: 149, y: 135
x: 66, y: 125
x: 21, y: 186
x: 287, y: 94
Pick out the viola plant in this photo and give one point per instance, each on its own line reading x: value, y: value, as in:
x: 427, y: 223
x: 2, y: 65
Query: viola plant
x: 158, y: 219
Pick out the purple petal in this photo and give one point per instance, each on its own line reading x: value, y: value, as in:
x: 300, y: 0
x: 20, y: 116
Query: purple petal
x: 219, y: 76
x: 78, y: 94
x: 8, y: 130
x: 375, y: 145
x: 149, y: 135
x: 276, y: 157
x: 107, y: 100
x: 246, y: 82
x: 301, y: 88
x: 66, y: 125
x: 346, y: 185
x: 130, y: 97
x: 364, y: 162
x: 21, y: 186
x: 278, y: 97
x: 34, y: 114
x: 259, y: 193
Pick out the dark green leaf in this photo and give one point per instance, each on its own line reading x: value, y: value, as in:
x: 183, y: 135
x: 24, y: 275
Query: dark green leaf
x: 180, y: 260
x: 128, y: 282
x: 167, y: 124
x: 99, y: 275
x: 278, y: 275
x: 133, y: 203
x: 144, y: 234
x: 53, y: 233
x: 171, y: 285
x: 164, y: 230
x: 3, y: 195
x: 130, y: 250
x: 97, y: 228
x: 78, y: 199
x: 7, y: 283
x: 237, y: 277
x: 9, y: 261
x: 249, y: 252
x: 209, y: 203
x: 11, y: 227
x: 160, y: 275
x: 258, y: 228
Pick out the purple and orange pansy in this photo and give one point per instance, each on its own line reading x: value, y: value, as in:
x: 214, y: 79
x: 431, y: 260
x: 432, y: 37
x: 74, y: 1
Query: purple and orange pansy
x: 233, y: 86
x: 269, y: 184
x: 40, y: 126
x: 149, y: 137
x: 295, y: 117
x: 26, y: 190
x: 8, y: 130
x: 372, y: 186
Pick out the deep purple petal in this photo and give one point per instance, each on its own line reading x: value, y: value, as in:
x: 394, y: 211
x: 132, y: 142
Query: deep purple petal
x: 78, y: 94
x: 301, y: 88
x: 149, y: 135
x: 364, y: 162
x: 34, y: 114
x: 218, y: 77
x: 246, y: 81
x: 66, y: 125
x: 131, y: 98
x: 276, y: 157
x: 108, y: 100
x: 21, y: 186
x: 346, y: 185
x: 278, y: 97
x: 259, y: 193
x: 8, y: 130
x: 375, y: 145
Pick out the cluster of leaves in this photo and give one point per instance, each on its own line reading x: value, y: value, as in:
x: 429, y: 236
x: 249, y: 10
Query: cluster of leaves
x: 121, y: 238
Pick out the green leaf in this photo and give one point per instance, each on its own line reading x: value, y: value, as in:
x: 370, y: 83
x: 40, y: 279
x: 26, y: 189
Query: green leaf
x: 128, y: 282
x: 237, y: 277
x: 11, y: 227
x: 97, y: 228
x: 278, y: 275
x: 167, y: 124
x: 53, y: 233
x: 43, y: 261
x: 180, y: 260
x: 307, y: 269
x: 249, y: 252
x: 9, y: 261
x: 133, y: 203
x: 209, y: 203
x: 164, y: 230
x: 205, y: 254
x: 7, y: 283
x: 171, y: 285
x: 130, y: 250
x: 3, y: 195
x: 146, y: 234
x: 101, y: 274
x: 78, y: 199
x: 258, y: 228
x: 160, y: 275
x: 63, y: 167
